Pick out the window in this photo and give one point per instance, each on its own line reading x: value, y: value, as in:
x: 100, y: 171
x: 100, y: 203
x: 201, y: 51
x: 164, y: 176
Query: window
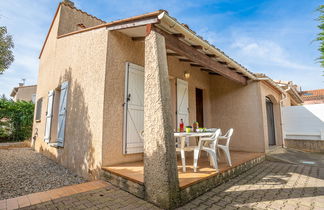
x: 39, y: 109
x: 33, y: 98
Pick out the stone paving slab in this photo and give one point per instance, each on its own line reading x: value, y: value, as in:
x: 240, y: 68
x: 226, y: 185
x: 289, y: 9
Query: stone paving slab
x: 269, y: 185
x: 51, y: 195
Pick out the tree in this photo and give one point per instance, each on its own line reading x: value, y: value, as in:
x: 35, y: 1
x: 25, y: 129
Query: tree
x: 6, y: 46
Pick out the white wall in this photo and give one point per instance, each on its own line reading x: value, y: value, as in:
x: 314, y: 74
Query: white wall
x: 304, y: 122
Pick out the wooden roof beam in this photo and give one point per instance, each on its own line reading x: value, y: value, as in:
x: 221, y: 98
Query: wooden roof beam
x: 179, y: 35
x: 206, y: 70
x: 198, y: 57
x: 211, y: 55
x: 184, y: 60
x: 195, y: 65
x: 198, y: 47
x: 173, y: 54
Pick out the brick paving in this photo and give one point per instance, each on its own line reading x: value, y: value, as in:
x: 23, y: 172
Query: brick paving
x: 270, y: 185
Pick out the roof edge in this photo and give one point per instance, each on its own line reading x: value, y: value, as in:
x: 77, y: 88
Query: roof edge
x: 134, y: 18
x: 165, y: 16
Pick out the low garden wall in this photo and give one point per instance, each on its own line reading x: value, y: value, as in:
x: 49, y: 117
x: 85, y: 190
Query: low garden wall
x: 305, y: 145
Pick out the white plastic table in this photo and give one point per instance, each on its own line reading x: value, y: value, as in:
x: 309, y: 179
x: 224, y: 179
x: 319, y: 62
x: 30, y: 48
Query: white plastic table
x: 183, y: 147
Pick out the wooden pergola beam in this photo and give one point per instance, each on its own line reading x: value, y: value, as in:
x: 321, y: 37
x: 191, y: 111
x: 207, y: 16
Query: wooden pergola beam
x: 213, y: 73
x: 222, y: 62
x: 204, y: 69
x: 211, y: 55
x: 179, y: 35
x: 184, y: 60
x: 173, y: 54
x: 198, y: 47
x: 200, y: 58
x: 195, y: 65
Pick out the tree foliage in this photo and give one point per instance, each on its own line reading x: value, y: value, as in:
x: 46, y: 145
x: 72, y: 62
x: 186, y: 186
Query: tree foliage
x: 320, y: 35
x: 6, y: 46
x: 16, y: 119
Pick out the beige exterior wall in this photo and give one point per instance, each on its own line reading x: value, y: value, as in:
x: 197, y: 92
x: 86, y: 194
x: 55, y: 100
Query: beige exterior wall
x: 25, y: 93
x: 122, y: 49
x: 80, y: 60
x: 94, y: 63
x: 275, y: 96
x: 71, y: 17
x: 236, y: 106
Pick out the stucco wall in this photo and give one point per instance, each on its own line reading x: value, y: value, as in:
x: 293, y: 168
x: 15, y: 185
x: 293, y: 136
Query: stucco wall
x: 275, y: 97
x: 25, y: 93
x: 122, y: 49
x: 236, y: 106
x: 81, y: 60
x: 70, y: 17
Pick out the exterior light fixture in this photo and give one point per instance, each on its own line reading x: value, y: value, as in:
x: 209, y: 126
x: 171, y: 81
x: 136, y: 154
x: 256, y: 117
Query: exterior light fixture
x: 186, y: 74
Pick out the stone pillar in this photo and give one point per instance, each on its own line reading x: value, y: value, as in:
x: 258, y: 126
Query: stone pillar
x: 160, y: 164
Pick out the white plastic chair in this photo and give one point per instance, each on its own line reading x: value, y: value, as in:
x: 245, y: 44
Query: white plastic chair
x: 225, y: 147
x: 211, y: 150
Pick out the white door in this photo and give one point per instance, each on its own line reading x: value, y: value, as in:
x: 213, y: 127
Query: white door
x: 182, y: 102
x: 49, y: 116
x: 134, y: 109
x: 62, y: 114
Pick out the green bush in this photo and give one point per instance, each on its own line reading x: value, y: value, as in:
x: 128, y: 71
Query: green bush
x: 16, y: 120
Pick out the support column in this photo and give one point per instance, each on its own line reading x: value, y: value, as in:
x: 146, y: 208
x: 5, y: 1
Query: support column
x: 160, y: 164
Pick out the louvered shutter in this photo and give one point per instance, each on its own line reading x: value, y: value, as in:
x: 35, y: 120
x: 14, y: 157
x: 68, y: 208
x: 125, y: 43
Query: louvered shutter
x: 49, y: 116
x: 62, y: 114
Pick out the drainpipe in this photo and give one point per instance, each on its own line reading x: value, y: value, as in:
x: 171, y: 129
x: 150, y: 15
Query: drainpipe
x: 284, y: 97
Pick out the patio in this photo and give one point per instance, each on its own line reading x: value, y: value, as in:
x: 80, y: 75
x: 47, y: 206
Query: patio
x: 134, y: 171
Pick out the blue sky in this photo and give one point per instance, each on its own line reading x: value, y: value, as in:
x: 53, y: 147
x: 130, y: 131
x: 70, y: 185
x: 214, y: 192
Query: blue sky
x: 274, y: 37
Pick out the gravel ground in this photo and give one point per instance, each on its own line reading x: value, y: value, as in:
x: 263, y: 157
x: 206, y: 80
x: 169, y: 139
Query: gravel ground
x: 24, y: 171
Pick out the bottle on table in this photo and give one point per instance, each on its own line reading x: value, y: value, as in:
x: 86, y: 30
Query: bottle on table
x: 181, y: 126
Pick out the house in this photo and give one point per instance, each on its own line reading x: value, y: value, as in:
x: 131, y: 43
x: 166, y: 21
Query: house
x: 99, y: 99
x: 24, y: 93
x: 313, y: 96
x: 294, y: 97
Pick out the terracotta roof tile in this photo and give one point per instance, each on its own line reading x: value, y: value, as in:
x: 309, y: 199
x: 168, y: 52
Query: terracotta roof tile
x: 308, y: 95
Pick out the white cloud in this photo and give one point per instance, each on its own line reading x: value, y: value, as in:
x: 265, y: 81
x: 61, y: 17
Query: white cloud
x: 266, y: 52
x: 28, y: 22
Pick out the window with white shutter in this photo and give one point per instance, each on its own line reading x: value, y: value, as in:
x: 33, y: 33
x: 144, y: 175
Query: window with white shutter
x: 49, y: 116
x: 62, y: 114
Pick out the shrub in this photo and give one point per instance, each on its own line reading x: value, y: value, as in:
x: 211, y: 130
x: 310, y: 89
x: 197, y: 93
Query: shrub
x: 16, y: 120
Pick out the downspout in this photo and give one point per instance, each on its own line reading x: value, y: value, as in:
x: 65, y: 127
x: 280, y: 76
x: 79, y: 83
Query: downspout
x: 284, y: 97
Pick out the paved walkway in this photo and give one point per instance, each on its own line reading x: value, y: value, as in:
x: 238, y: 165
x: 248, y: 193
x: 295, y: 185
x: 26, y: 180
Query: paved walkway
x: 270, y: 185
x: 297, y: 157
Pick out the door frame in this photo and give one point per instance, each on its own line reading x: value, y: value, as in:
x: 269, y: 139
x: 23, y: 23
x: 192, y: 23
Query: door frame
x: 269, y: 101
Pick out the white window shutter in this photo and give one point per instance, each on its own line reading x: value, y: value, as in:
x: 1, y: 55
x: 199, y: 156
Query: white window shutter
x: 49, y: 116
x: 62, y: 114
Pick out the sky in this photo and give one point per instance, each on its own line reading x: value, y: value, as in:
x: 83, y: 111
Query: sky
x: 274, y: 37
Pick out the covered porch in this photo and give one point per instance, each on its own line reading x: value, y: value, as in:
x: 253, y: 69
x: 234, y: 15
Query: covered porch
x: 178, y: 65
x: 134, y: 171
